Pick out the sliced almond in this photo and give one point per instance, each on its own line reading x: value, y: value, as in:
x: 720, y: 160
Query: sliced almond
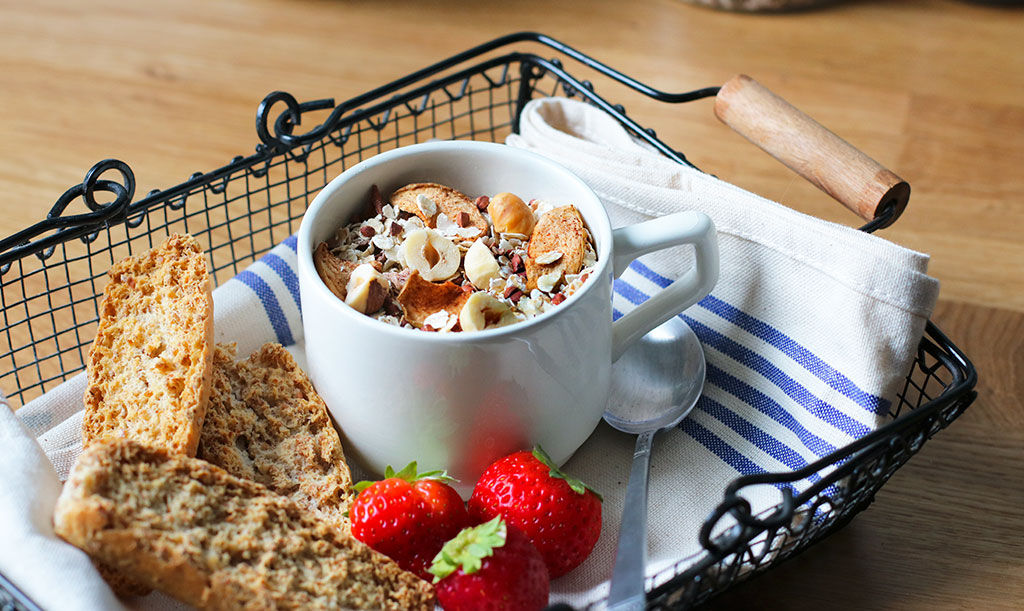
x: 549, y: 257
x: 426, y: 206
x: 421, y: 298
x: 561, y: 230
x: 445, y: 199
x: 549, y: 281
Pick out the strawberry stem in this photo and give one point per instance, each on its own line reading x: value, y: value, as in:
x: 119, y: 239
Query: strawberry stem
x: 409, y: 474
x: 575, y: 484
x: 469, y: 548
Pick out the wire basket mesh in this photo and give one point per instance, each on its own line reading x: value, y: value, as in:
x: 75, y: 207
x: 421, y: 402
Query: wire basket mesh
x: 52, y: 276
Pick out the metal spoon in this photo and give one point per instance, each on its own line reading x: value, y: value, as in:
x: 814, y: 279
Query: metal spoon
x: 655, y: 384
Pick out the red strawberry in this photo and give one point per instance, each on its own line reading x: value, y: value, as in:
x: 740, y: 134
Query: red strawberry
x: 492, y: 566
x: 408, y: 516
x: 561, y: 515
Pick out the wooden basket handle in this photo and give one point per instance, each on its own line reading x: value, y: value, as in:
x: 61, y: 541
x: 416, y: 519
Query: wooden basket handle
x: 808, y: 148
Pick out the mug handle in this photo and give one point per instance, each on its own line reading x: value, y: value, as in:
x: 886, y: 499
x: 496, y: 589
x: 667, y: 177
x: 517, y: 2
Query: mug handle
x: 629, y: 243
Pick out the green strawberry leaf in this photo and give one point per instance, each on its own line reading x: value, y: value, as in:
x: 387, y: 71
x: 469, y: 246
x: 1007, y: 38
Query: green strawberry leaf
x: 363, y: 485
x: 409, y: 474
x: 576, y: 485
x: 469, y: 548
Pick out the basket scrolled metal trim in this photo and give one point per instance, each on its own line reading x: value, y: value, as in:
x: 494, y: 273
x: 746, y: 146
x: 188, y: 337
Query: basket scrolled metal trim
x: 99, y: 214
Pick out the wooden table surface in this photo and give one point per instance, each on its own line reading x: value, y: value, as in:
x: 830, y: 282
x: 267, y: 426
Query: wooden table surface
x: 934, y: 89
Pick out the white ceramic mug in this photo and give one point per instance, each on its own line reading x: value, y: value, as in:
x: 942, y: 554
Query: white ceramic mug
x: 458, y: 401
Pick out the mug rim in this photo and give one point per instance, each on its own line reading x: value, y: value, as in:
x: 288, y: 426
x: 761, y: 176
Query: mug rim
x: 324, y: 196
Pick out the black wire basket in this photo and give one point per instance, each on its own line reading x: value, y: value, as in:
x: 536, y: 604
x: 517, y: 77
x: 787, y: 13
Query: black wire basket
x: 52, y: 275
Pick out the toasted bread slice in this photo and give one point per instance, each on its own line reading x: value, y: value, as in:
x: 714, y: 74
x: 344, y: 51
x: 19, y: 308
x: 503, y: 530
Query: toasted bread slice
x: 448, y: 200
x: 150, y: 364
x: 216, y: 541
x: 266, y: 423
x: 121, y: 584
x: 562, y: 230
x: 149, y: 367
x: 421, y: 298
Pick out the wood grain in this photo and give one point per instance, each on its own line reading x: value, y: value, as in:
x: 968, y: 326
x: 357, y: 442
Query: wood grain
x: 808, y: 148
x: 933, y: 89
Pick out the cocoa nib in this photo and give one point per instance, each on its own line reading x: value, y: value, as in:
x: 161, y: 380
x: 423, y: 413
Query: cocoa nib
x: 375, y: 297
x: 516, y: 263
x: 391, y: 306
x: 513, y: 294
x: 376, y: 200
x: 373, y: 206
x: 367, y: 231
x: 395, y: 228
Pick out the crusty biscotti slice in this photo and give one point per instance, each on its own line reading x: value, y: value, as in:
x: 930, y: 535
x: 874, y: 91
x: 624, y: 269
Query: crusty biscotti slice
x: 150, y: 364
x: 122, y: 585
x: 149, y: 367
x: 266, y: 422
x: 217, y: 541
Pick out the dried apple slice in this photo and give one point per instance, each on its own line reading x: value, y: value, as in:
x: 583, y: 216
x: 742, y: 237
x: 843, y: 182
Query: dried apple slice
x: 557, y: 246
x: 444, y: 199
x: 420, y: 299
x: 335, y: 272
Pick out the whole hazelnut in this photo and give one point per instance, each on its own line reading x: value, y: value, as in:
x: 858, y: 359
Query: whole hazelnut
x: 509, y: 214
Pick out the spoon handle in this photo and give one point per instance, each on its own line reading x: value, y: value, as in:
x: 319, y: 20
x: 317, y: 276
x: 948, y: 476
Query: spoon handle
x: 627, y: 587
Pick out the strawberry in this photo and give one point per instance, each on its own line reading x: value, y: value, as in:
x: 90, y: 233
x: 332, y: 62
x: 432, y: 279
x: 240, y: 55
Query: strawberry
x: 408, y: 516
x: 492, y: 566
x: 560, y: 514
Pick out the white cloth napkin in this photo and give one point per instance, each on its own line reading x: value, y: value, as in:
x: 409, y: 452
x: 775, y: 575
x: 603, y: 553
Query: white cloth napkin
x: 807, y: 337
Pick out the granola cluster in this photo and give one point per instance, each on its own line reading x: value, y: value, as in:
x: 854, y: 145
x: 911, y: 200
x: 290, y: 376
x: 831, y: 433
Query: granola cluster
x: 433, y: 259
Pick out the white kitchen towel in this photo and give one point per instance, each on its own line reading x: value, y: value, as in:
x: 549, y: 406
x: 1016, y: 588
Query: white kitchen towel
x: 807, y: 337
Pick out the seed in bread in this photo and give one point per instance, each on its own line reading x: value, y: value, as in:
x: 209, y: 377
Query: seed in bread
x: 266, y: 423
x: 217, y: 541
x: 149, y: 366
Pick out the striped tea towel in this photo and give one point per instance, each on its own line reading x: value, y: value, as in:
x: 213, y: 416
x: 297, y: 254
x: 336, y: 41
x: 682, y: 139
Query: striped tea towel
x: 807, y: 335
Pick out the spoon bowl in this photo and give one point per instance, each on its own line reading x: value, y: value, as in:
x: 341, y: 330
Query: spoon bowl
x: 655, y: 384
